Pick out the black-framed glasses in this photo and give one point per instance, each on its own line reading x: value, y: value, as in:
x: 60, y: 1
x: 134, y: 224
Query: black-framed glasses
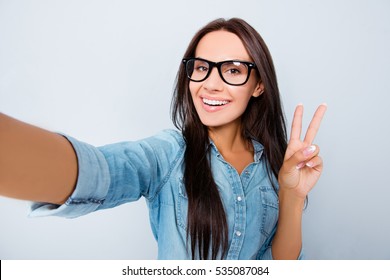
x: 232, y: 72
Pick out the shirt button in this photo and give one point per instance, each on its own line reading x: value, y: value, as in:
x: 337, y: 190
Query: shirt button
x: 238, y: 233
x: 239, y: 198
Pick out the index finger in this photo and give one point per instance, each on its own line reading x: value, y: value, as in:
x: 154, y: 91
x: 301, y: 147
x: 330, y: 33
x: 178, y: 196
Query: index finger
x: 315, y: 124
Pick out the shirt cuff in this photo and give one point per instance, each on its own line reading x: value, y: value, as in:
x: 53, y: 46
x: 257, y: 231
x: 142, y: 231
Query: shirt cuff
x: 91, y: 189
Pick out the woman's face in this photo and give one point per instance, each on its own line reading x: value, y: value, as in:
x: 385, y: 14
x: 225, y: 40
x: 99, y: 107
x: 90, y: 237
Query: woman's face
x: 218, y: 103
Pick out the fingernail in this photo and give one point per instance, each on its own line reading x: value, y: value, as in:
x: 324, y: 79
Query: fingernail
x: 300, y: 165
x: 309, y: 164
x: 309, y: 150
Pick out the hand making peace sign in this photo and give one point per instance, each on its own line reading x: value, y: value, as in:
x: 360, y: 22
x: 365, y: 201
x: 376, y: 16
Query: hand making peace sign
x: 302, y: 166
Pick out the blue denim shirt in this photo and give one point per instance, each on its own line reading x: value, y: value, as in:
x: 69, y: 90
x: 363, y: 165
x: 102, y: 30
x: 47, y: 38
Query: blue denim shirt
x: 153, y: 168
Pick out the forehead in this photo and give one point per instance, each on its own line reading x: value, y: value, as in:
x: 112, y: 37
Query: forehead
x: 221, y: 45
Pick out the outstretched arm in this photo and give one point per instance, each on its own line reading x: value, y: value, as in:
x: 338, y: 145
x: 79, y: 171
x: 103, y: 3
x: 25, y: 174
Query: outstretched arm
x: 35, y: 164
x: 300, y: 171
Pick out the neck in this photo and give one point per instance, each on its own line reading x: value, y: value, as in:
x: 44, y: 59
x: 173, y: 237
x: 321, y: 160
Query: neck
x: 229, y: 138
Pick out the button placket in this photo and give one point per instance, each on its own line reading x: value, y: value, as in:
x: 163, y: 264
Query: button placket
x: 239, y: 215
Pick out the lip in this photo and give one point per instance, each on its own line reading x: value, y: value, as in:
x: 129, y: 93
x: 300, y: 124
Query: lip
x: 212, y: 109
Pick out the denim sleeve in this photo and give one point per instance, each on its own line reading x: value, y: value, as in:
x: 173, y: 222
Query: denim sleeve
x: 115, y: 174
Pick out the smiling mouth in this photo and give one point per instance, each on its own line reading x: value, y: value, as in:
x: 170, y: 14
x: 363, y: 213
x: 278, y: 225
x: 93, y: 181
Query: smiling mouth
x: 210, y: 102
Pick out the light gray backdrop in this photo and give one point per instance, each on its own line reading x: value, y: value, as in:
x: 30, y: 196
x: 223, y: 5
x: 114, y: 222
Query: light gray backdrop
x: 103, y: 71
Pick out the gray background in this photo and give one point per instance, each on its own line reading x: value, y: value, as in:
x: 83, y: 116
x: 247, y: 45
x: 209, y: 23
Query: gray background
x: 103, y: 71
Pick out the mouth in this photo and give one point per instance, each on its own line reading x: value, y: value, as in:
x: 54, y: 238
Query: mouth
x: 213, y: 103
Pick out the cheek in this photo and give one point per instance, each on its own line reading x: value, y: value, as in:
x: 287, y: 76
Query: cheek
x: 194, y: 87
x: 243, y: 95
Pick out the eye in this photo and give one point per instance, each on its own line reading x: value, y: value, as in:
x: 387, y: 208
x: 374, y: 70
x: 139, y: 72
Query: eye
x: 234, y: 68
x: 233, y: 71
x: 201, y: 68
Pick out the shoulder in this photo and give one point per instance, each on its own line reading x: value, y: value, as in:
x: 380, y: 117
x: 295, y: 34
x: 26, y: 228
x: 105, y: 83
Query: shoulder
x: 167, y: 136
x: 166, y: 142
x: 164, y: 139
x: 163, y: 149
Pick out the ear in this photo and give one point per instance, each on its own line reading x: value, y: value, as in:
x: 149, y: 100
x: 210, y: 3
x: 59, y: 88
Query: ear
x: 258, y: 90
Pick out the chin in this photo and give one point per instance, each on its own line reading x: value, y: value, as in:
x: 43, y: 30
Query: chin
x: 213, y: 123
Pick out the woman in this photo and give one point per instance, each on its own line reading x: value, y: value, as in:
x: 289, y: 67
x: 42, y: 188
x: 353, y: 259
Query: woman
x: 217, y: 188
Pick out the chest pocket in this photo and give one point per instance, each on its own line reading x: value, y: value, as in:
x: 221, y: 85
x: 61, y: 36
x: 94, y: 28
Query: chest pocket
x: 269, y: 209
x: 182, y: 205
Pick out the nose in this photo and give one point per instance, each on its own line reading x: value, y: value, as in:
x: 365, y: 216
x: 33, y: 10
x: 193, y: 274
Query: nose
x: 213, y: 82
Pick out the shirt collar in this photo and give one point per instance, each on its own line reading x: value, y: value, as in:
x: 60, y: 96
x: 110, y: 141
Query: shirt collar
x: 258, y: 149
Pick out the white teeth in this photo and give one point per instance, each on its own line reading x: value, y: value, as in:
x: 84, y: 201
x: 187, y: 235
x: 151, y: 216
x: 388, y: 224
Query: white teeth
x: 215, y: 102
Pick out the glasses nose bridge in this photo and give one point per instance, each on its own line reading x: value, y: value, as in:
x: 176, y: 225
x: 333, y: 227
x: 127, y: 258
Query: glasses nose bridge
x: 217, y: 66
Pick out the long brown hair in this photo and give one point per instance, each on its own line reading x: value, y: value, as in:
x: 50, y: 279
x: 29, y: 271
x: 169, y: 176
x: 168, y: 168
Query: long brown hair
x: 262, y: 120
